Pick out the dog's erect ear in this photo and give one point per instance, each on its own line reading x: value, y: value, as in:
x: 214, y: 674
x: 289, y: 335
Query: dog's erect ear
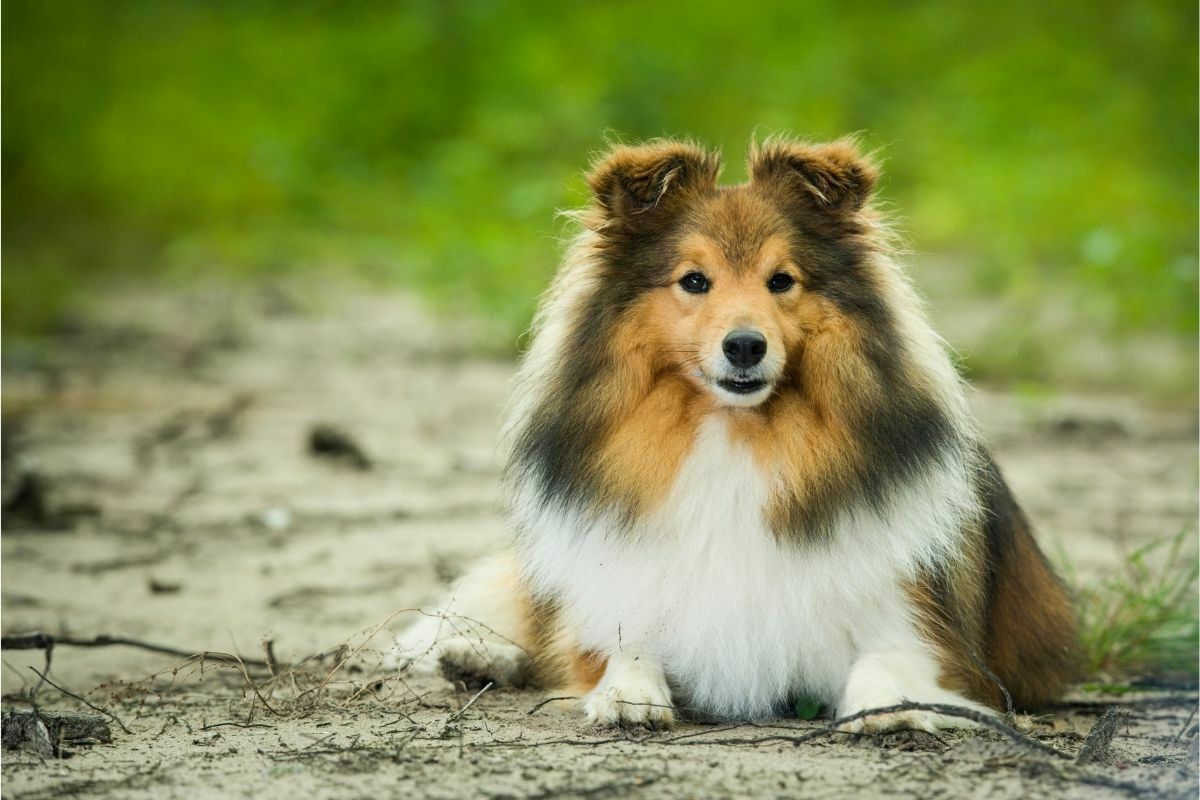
x: 830, y: 178
x: 633, y: 184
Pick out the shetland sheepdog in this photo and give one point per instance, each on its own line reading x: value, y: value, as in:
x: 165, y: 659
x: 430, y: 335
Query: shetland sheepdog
x: 742, y: 470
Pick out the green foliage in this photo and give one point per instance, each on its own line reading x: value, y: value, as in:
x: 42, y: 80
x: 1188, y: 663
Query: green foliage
x: 1145, y: 619
x: 807, y: 708
x: 1048, y: 147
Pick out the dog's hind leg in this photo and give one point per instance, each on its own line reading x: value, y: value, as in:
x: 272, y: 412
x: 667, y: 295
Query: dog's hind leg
x: 479, y: 634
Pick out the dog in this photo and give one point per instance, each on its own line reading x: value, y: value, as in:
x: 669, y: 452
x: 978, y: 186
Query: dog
x: 742, y: 470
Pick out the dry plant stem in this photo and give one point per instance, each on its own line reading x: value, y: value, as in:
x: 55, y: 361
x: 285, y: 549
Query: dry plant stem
x: 1183, y: 730
x: 350, y: 653
x: 458, y: 714
x: 344, y: 654
x: 1099, y: 739
x: 233, y: 724
x: 69, y: 693
x: 1010, y: 715
x: 269, y: 656
x: 548, y: 701
x: 254, y: 687
x: 985, y: 720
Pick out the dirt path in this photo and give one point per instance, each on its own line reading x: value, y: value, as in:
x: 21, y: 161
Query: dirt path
x: 169, y: 494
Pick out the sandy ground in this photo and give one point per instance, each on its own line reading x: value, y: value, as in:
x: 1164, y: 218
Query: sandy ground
x: 175, y: 500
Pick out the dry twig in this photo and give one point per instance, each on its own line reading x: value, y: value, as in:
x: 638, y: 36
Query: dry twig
x: 69, y: 693
x: 1099, y: 739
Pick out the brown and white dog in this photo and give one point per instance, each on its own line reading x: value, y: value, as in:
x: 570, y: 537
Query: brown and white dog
x: 742, y: 470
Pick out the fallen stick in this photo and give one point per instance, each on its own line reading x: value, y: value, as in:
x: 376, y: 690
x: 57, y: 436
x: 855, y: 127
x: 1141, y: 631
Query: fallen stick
x: 455, y: 717
x: 985, y: 720
x: 46, y: 641
x: 1099, y: 740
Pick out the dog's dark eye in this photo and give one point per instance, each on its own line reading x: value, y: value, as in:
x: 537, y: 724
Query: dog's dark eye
x: 780, y: 282
x: 694, y: 283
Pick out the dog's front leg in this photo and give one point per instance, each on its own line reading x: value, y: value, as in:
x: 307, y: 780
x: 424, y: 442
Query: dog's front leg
x: 883, y: 678
x: 633, y: 691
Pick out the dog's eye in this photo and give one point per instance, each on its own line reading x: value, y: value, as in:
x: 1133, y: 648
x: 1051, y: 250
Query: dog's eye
x: 694, y: 283
x: 780, y: 282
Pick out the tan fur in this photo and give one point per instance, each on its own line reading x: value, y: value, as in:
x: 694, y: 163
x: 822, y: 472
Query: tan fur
x: 641, y: 456
x: 557, y: 660
x: 1029, y: 638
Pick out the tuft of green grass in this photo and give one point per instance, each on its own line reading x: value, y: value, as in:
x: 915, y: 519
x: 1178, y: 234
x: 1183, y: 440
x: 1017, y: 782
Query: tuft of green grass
x: 1143, y: 619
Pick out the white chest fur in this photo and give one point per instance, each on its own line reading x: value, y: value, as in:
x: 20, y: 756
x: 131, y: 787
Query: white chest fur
x: 737, y: 620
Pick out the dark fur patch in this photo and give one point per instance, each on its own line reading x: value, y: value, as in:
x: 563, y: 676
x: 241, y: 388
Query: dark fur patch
x: 641, y: 188
x: 1030, y: 640
x: 999, y: 618
x: 900, y: 439
x: 827, y: 184
x: 901, y: 429
x: 642, y: 193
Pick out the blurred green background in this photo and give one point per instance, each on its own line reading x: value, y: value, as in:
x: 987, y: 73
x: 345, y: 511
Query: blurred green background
x: 1042, y: 156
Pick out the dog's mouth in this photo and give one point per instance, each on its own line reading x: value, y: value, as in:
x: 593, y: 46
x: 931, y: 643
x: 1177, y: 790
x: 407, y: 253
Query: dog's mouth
x: 742, y: 386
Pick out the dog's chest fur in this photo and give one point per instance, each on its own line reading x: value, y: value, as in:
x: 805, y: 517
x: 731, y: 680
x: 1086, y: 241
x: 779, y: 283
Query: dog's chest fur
x: 739, y: 620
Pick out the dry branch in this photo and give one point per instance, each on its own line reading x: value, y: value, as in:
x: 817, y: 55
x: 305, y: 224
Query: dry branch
x: 989, y: 721
x: 45, y: 641
x: 1099, y: 739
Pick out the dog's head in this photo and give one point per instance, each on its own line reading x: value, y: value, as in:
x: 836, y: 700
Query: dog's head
x: 775, y: 304
x: 721, y: 284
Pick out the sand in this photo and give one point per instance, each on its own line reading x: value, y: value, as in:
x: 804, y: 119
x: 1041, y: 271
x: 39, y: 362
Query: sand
x: 175, y: 500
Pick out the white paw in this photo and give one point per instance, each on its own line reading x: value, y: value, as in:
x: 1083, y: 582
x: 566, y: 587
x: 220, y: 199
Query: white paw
x: 632, y: 693
x: 890, y: 678
x: 903, y: 720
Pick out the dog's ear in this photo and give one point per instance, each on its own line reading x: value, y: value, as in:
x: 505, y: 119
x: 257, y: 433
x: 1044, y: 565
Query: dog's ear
x: 831, y: 179
x: 634, y: 185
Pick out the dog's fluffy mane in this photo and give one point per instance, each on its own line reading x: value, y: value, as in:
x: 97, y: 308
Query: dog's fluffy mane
x: 874, y: 404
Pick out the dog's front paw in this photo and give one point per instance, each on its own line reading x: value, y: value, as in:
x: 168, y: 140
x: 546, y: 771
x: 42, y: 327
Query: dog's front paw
x: 914, y: 720
x: 632, y: 693
x: 629, y: 706
x: 882, y: 680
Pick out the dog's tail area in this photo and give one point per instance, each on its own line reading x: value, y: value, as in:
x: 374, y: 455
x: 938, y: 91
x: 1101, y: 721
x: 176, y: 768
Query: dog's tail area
x: 1030, y: 638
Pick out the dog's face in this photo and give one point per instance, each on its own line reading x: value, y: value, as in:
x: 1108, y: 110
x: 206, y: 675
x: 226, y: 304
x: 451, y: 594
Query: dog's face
x: 719, y: 281
x: 727, y: 317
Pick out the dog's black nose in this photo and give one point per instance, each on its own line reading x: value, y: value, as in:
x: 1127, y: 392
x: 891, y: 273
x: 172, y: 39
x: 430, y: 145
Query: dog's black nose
x: 744, y: 348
